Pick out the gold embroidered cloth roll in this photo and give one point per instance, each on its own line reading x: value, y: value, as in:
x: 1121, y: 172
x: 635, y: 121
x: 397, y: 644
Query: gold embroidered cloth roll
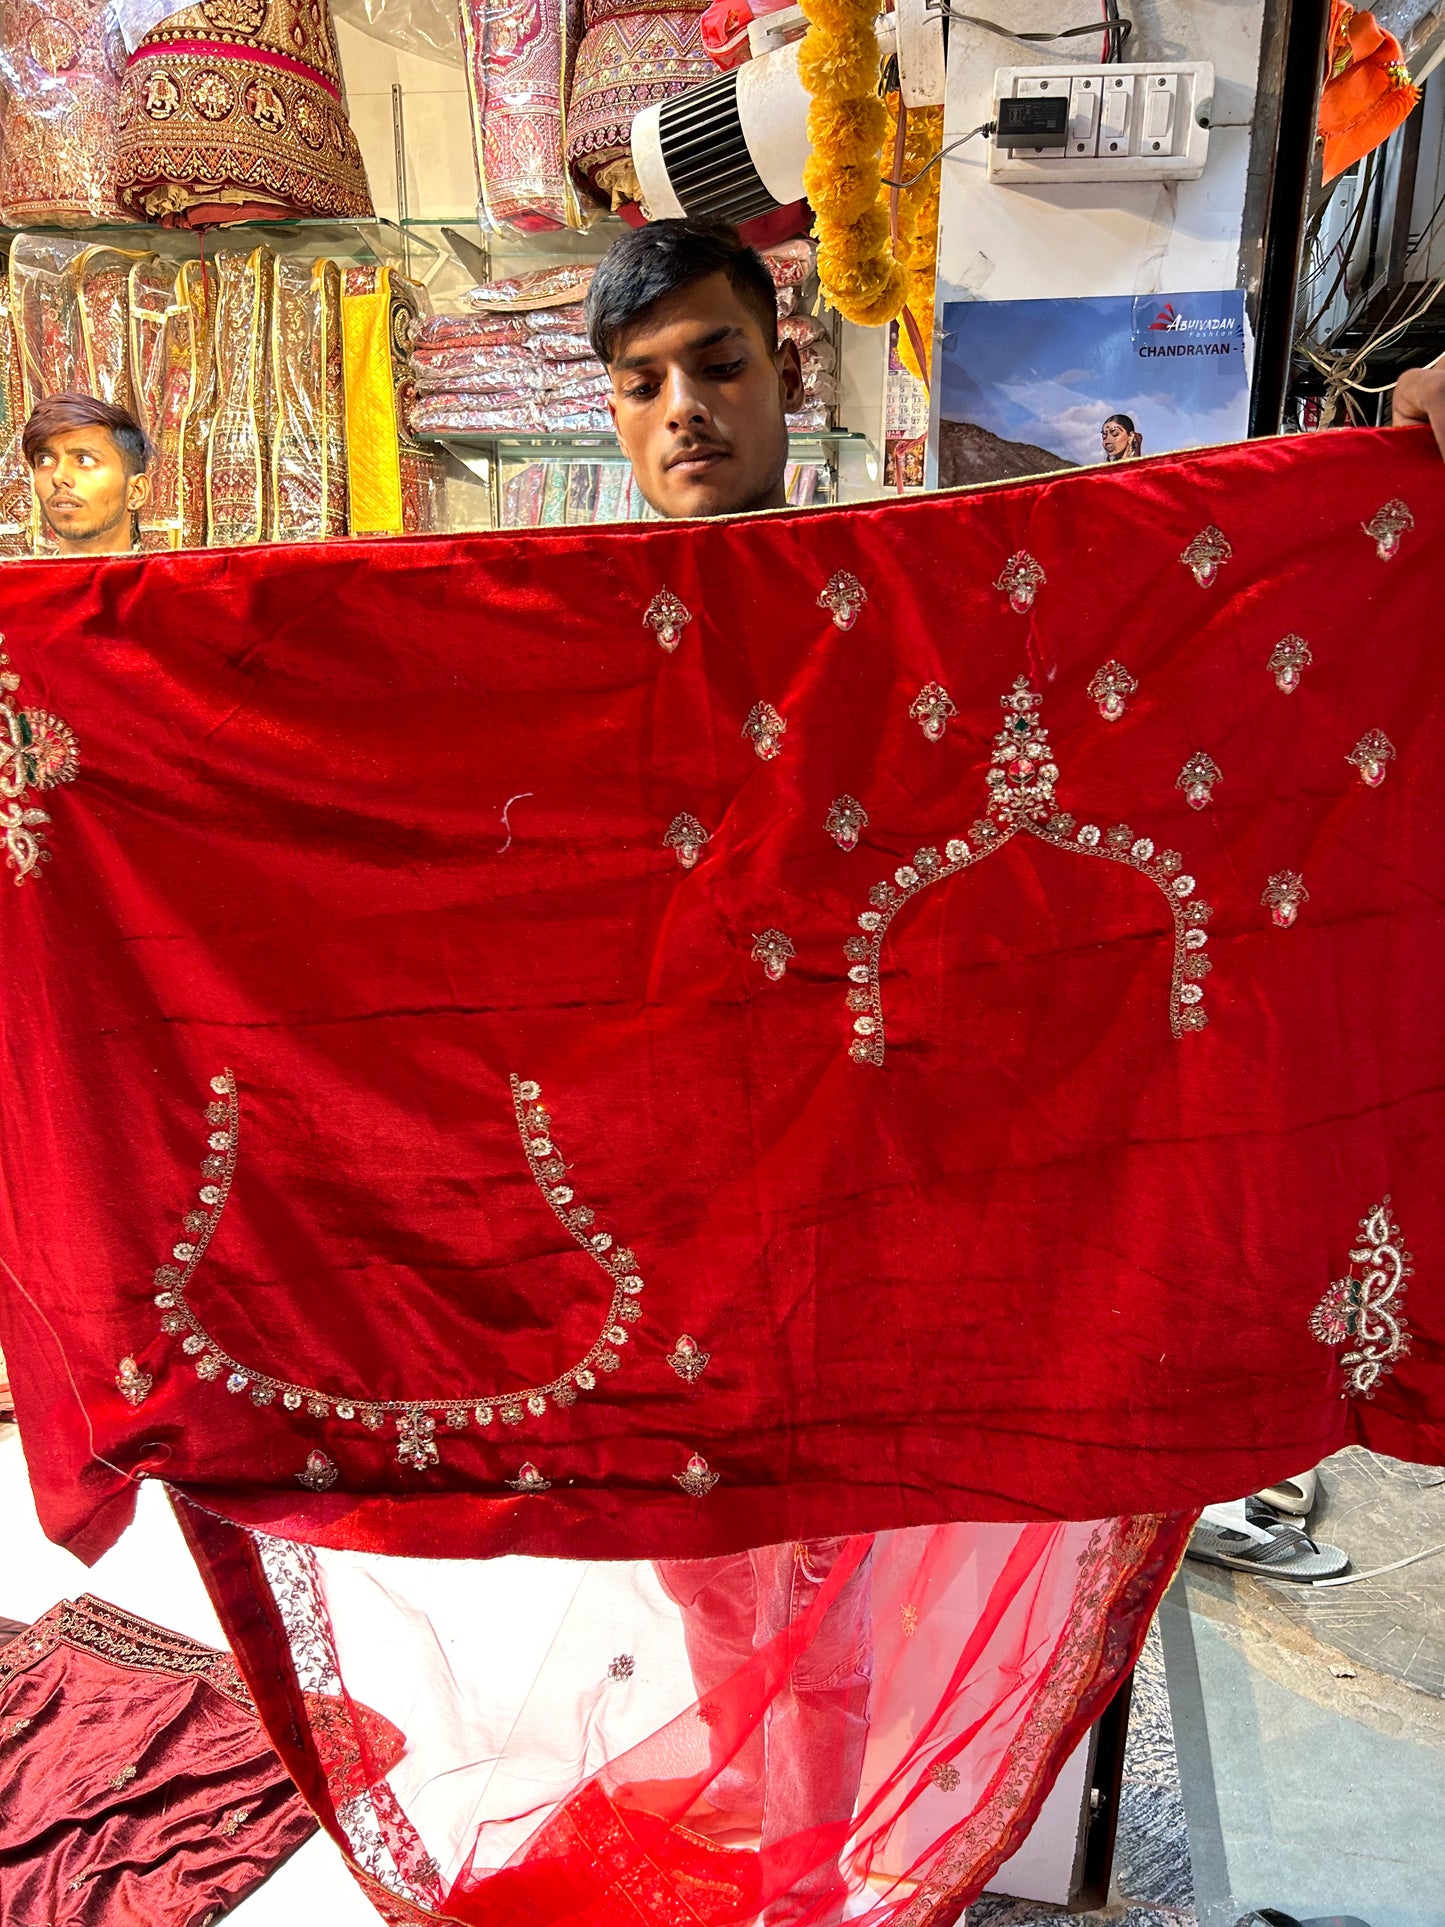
x: 172, y: 371
x: 238, y: 453
x: 15, y: 496
x: 235, y: 107
x: 397, y: 484
x: 69, y: 302
x: 308, y: 451
x: 61, y: 65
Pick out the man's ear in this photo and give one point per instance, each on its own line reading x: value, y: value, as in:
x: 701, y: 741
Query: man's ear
x: 790, y: 374
x: 137, y: 491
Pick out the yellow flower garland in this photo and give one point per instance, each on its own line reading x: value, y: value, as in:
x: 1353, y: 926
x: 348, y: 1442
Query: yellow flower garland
x: 918, y: 231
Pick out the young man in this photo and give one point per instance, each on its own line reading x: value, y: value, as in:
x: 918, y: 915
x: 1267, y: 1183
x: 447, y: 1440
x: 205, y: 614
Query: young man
x: 88, y: 459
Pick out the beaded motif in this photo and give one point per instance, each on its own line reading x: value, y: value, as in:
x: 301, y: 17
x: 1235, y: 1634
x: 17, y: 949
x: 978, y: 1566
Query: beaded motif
x: 688, y: 1359
x: 623, y: 1667
x: 1365, y: 1308
x: 667, y: 616
x: 529, y: 1479
x: 1197, y: 779
x: 1111, y: 688
x: 686, y: 836
x: 1287, y: 659
x: 1205, y: 553
x: 1386, y: 526
x: 843, y: 596
x: 772, y: 949
x: 845, y: 821
x: 945, y: 1776
x: 697, y: 1479
x: 415, y: 1419
x: 931, y: 709
x: 1021, y: 779
x: 1283, y: 895
x: 1370, y: 755
x: 37, y: 751
x: 319, y: 1473
x: 1021, y: 580
x: 765, y: 730
x: 132, y: 1383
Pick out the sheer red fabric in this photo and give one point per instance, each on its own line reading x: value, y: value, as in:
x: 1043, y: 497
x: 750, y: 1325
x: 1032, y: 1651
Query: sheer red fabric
x: 137, y: 1788
x: 866, y: 1724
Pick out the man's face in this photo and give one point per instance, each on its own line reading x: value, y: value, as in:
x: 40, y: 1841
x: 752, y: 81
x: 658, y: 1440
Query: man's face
x: 698, y: 397
x: 85, y: 495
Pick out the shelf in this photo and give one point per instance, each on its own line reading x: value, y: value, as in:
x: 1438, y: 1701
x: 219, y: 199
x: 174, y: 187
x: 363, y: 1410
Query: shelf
x: 603, y: 448
x: 373, y: 239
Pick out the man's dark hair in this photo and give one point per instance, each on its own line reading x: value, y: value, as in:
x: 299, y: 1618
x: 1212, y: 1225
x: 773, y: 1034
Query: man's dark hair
x: 57, y: 414
x: 649, y: 262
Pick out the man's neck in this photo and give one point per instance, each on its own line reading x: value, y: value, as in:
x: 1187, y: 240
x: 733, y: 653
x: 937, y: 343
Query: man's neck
x: 117, y: 540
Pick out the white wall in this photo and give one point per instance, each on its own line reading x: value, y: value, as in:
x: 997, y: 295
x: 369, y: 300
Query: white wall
x: 440, y: 174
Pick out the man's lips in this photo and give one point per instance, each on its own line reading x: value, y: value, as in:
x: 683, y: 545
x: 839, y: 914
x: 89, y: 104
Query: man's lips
x: 63, y: 502
x: 695, y: 461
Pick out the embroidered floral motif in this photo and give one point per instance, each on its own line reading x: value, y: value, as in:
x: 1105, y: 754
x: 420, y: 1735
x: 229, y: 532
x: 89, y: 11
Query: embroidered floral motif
x: 12, y: 1730
x: 843, y: 597
x: 529, y: 1479
x: 1288, y: 659
x: 37, y: 752
x: 1386, y: 526
x: 945, y: 1776
x: 698, y: 1479
x: 765, y: 730
x: 687, y: 836
x: 1365, y: 1309
x: 1283, y: 895
x: 1370, y: 755
x: 667, y: 616
x: 319, y: 1473
x: 415, y: 1419
x: 623, y: 1667
x: 123, y: 1778
x: 1021, y: 779
x: 1111, y: 688
x: 1021, y: 580
x: 931, y: 709
x: 688, y: 1359
x: 235, y: 1820
x: 132, y: 1383
x: 910, y: 1621
x: 1205, y: 553
x: 845, y: 821
x: 772, y: 949
x: 1197, y: 779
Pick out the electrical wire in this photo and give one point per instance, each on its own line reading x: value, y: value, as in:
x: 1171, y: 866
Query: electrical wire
x: 1115, y: 29
x: 942, y: 155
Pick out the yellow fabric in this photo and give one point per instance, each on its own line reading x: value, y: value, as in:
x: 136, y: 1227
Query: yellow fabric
x: 373, y: 463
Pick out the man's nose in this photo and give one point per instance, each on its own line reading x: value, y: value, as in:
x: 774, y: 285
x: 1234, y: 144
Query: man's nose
x: 686, y: 407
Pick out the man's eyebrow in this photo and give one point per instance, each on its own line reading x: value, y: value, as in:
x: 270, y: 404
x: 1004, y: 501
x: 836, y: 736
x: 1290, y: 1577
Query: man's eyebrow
x: 626, y: 363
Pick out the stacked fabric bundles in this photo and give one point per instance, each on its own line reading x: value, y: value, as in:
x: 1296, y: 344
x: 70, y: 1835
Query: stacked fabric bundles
x: 518, y: 364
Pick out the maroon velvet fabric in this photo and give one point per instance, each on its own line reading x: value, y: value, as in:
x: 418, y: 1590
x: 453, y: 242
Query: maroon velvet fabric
x: 137, y: 1788
x: 377, y: 827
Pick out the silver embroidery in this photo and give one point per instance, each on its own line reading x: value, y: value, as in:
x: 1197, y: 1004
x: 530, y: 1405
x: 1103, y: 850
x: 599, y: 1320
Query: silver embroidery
x: 698, y: 1478
x: 765, y: 730
x: 1197, y: 779
x: 623, y: 1667
x: 931, y: 709
x: 845, y: 821
x: 1370, y: 755
x: 772, y: 949
x: 1021, y: 779
x: 667, y: 616
x: 945, y: 1776
x: 1021, y: 580
x: 1386, y: 526
x: 1365, y: 1309
x: 415, y: 1419
x: 1288, y: 659
x: 319, y: 1473
x: 1283, y: 895
x: 1111, y: 688
x: 1205, y: 553
x: 843, y: 597
x: 686, y: 836
x: 37, y: 751
x: 529, y: 1479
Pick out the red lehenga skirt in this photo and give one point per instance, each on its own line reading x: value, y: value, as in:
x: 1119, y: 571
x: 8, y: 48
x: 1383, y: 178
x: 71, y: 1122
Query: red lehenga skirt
x: 869, y: 1723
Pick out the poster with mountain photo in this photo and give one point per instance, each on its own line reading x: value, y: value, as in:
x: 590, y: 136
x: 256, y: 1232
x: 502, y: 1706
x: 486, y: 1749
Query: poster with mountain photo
x: 1025, y: 387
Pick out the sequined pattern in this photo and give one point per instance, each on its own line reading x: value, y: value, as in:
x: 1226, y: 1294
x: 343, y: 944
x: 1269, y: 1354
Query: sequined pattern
x: 697, y: 1478
x: 1111, y: 688
x: 1289, y: 658
x: 1021, y: 779
x: 843, y: 596
x: 845, y: 822
x: 765, y: 730
x: 1365, y: 1308
x: 1386, y: 526
x: 37, y: 751
x: 1205, y: 553
x: 1370, y: 755
x: 667, y: 616
x: 931, y: 709
x: 1197, y: 779
x: 685, y: 836
x: 415, y: 1420
x: 1021, y: 579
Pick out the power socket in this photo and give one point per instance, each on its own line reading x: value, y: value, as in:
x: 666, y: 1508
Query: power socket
x: 1127, y: 121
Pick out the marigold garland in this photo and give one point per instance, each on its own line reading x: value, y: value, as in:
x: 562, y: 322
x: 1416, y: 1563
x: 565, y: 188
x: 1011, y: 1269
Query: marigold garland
x: 918, y: 228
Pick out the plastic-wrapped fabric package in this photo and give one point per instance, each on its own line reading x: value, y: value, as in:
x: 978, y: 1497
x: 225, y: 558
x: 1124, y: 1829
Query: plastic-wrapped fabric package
x: 233, y: 110
x: 630, y: 57
x: 397, y: 486
x: 462, y: 414
x: 562, y: 287
x: 238, y: 468
x: 308, y: 450
x: 60, y: 69
x: 163, y: 369
x: 70, y: 303
x: 16, y: 500
x: 518, y: 54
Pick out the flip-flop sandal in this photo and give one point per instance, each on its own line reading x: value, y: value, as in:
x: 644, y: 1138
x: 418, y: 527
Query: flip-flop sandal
x: 1293, y: 1497
x: 1272, y: 1917
x: 1287, y: 1553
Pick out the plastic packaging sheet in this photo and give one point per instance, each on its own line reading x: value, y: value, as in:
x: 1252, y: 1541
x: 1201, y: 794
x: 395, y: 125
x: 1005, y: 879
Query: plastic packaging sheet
x: 61, y: 70
x: 308, y: 452
x: 70, y: 302
x: 238, y: 480
x: 163, y: 368
x: 425, y: 27
x: 16, y: 499
x: 518, y: 58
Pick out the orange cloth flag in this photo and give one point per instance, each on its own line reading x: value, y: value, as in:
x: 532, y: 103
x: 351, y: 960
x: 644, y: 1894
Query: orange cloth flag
x: 1368, y: 92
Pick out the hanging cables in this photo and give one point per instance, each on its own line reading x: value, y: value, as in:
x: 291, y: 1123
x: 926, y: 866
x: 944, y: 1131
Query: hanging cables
x: 1116, y: 30
x: 943, y: 153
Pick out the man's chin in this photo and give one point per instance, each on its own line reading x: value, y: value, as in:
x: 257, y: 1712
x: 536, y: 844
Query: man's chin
x: 714, y: 491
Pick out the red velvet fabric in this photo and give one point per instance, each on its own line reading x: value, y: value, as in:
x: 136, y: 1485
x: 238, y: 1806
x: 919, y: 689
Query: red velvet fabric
x: 376, y: 827
x: 137, y: 1788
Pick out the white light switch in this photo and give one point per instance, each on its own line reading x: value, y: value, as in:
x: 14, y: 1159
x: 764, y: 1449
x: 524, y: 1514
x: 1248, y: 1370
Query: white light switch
x: 1156, y: 121
x: 1115, y: 112
x: 1083, y: 116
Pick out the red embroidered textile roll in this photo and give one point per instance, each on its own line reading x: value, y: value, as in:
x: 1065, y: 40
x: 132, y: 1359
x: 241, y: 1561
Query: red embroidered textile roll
x: 588, y: 941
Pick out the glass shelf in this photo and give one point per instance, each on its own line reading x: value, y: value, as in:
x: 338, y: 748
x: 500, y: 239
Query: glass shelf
x: 373, y: 239
x: 602, y: 448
